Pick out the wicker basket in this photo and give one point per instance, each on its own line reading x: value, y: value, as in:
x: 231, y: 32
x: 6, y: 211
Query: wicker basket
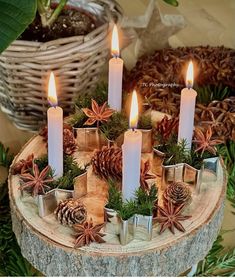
x: 77, y: 62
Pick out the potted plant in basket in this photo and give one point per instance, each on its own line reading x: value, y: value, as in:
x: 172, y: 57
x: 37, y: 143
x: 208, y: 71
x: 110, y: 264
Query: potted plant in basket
x: 68, y: 37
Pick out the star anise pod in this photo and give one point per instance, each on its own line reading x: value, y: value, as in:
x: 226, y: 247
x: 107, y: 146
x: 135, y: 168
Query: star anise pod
x: 37, y: 182
x: 204, y: 142
x: 170, y: 217
x: 145, y: 175
x: 23, y: 166
x: 87, y: 233
x: 98, y: 113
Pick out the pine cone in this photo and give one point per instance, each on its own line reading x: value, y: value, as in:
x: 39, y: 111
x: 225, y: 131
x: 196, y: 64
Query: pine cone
x: 69, y: 142
x: 107, y: 163
x: 178, y: 193
x: 70, y: 212
x: 69, y: 145
x: 167, y: 127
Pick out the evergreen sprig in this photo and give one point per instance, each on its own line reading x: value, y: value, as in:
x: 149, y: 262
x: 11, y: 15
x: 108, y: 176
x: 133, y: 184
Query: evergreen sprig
x: 100, y: 95
x: 207, y: 94
x: 115, y: 197
x: 127, y: 210
x: 218, y: 262
x: 71, y: 171
x: 116, y: 125
x: 176, y: 153
x: 146, y: 201
x: 143, y: 202
x: 145, y: 122
x: 5, y: 157
x: 78, y: 119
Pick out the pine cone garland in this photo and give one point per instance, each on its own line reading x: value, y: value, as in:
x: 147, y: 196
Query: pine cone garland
x: 107, y: 163
x: 70, y: 212
x: 178, y: 193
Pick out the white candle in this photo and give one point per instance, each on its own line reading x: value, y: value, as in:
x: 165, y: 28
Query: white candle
x: 115, y: 74
x: 187, y: 110
x: 131, y: 154
x: 55, y: 130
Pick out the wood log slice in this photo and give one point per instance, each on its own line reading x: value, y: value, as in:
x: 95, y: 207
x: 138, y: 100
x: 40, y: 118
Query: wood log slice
x: 49, y: 246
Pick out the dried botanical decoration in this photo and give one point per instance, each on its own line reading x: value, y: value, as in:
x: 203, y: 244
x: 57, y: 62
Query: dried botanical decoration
x: 166, y: 128
x: 37, y: 182
x: 98, y: 113
x: 215, y: 65
x: 170, y: 217
x: 178, y: 193
x: 203, y: 141
x: 87, y: 233
x: 145, y: 175
x: 44, y: 131
x: 69, y: 142
x: 70, y: 212
x: 168, y: 105
x: 107, y: 163
x: 23, y: 166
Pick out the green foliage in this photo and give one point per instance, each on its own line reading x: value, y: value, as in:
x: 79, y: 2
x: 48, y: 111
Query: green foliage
x: 143, y: 202
x: 116, y: 125
x: 176, y: 153
x: 207, y: 94
x: 174, y: 3
x: 145, y: 122
x: 115, y: 197
x: 78, y: 119
x: 42, y: 162
x: 127, y: 210
x: 227, y: 151
x: 100, y: 95
x: 146, y: 201
x: 12, y: 263
x: 71, y: 170
x: 5, y: 157
x: 48, y: 15
x: 15, y: 16
x: 218, y: 262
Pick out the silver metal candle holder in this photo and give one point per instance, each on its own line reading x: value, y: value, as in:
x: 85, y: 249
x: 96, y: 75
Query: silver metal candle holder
x: 48, y: 202
x: 185, y: 172
x: 137, y: 227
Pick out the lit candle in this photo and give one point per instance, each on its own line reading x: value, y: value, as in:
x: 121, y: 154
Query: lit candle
x: 131, y: 154
x: 55, y: 130
x: 115, y: 74
x: 187, y: 109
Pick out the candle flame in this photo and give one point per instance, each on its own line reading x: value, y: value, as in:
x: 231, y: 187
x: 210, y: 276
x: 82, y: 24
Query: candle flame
x: 189, y: 75
x: 134, y: 111
x: 52, y: 96
x: 115, y: 42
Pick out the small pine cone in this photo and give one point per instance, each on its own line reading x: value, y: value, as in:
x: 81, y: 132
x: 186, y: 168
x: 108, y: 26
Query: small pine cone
x: 70, y: 212
x: 178, y: 193
x: 69, y: 145
x: 69, y: 142
x: 107, y: 163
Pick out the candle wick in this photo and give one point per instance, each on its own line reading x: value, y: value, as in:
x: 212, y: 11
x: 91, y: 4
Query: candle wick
x: 115, y: 56
x: 133, y: 129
